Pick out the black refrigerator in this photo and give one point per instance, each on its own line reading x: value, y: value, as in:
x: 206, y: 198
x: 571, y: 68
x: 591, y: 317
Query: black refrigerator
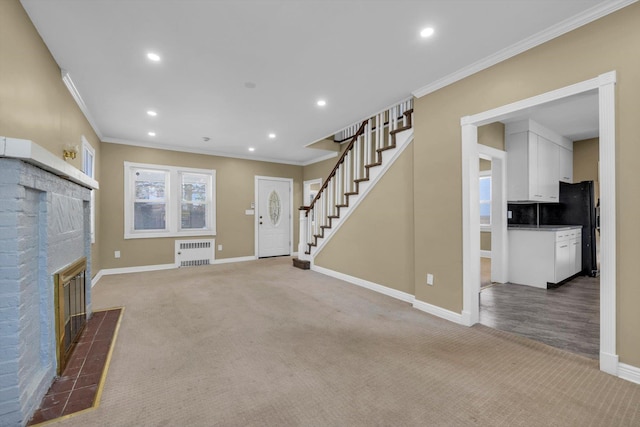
x: 577, y: 206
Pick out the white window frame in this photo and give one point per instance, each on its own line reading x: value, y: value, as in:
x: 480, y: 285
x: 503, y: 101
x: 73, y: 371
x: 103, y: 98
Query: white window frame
x: 484, y: 175
x: 173, y: 201
x: 88, y: 150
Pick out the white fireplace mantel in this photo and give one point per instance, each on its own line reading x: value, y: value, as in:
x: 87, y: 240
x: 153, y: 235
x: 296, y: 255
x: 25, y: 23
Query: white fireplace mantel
x: 30, y: 152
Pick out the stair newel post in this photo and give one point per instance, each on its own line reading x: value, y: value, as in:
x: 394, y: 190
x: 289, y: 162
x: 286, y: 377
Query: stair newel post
x: 304, y: 234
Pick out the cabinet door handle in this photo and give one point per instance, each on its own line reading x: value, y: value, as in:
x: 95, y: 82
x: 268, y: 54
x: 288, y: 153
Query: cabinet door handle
x: 564, y: 246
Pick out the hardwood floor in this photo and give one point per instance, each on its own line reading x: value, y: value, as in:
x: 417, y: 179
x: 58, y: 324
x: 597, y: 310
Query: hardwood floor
x: 567, y: 317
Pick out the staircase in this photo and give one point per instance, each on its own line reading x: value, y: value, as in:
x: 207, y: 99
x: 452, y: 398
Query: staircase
x: 373, y: 146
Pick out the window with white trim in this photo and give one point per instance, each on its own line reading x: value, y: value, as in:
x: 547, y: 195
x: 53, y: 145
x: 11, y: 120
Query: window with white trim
x: 485, y: 198
x: 88, y: 167
x: 165, y: 201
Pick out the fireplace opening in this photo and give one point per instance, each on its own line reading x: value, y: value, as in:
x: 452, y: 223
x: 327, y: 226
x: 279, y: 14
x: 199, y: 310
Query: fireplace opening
x: 70, y: 309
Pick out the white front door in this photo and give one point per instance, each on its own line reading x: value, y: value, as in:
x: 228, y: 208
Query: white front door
x: 273, y: 217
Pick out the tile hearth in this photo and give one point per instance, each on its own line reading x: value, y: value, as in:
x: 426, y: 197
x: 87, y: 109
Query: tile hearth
x: 78, y: 387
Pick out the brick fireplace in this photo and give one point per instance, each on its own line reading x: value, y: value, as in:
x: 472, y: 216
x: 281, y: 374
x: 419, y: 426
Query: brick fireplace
x: 44, y: 228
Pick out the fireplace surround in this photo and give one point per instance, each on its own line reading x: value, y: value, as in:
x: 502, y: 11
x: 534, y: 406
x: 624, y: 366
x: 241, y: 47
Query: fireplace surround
x: 44, y: 228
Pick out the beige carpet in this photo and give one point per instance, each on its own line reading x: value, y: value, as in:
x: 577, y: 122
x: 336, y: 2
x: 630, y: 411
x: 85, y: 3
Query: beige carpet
x: 264, y: 344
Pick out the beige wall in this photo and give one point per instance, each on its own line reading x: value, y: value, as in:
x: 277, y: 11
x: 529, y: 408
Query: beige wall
x: 322, y: 169
x: 485, y: 240
x: 585, y: 160
x: 377, y: 243
x: 491, y: 135
x: 610, y: 43
x: 34, y: 102
x: 234, y: 194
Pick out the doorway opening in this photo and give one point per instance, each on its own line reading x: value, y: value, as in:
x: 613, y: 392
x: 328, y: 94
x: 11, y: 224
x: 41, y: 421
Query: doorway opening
x: 604, y: 86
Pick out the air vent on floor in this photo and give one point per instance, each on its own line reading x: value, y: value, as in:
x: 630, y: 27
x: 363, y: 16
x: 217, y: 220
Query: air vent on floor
x: 191, y: 253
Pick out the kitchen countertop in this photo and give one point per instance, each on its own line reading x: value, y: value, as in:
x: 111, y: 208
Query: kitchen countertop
x: 543, y: 227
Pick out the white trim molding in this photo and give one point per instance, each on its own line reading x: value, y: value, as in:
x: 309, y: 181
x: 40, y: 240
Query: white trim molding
x: 137, y: 269
x: 485, y: 254
x: 394, y: 293
x: 590, y: 15
x: 158, y: 267
x: 440, y: 312
x: 381, y: 289
x: 629, y: 373
x: 605, y: 86
x: 75, y: 94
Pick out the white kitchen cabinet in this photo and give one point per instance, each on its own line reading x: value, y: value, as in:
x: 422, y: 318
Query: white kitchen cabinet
x: 538, y: 159
x: 565, y: 165
x: 532, y: 168
x: 538, y: 256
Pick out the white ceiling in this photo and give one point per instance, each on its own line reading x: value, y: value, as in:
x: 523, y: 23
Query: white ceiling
x: 361, y: 56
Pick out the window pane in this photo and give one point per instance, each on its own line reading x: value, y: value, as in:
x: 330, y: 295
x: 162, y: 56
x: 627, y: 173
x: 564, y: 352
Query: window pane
x: 150, y: 185
x: 149, y: 216
x: 485, y: 214
x: 194, y: 216
x: 485, y: 188
x: 194, y: 187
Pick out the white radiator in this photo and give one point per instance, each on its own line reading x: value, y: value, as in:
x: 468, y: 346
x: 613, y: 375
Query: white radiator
x: 190, y: 253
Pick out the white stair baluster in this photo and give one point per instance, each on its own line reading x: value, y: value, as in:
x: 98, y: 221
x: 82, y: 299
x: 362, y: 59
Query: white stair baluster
x: 347, y: 174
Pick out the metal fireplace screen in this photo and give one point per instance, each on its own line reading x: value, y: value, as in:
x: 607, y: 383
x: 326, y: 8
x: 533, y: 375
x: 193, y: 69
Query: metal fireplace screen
x: 70, y: 309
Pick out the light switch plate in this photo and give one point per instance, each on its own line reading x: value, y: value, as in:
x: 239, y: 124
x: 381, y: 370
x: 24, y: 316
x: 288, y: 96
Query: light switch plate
x: 249, y: 211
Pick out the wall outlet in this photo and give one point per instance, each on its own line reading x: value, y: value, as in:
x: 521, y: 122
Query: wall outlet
x: 509, y: 214
x: 219, y: 247
x: 429, y: 279
x: 116, y: 254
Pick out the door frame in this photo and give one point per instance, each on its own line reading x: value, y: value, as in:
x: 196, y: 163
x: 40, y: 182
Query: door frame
x: 256, y: 241
x: 604, y: 84
x: 499, y: 240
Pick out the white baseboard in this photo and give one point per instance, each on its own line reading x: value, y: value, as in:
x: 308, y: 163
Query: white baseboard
x: 96, y: 278
x: 137, y: 269
x: 485, y: 254
x: 394, y: 293
x: 629, y: 373
x: 144, y: 268
x: 439, y: 312
x: 609, y: 363
x: 237, y: 259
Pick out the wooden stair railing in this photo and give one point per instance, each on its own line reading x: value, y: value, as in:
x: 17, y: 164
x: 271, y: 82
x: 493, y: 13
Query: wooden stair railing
x: 374, y: 136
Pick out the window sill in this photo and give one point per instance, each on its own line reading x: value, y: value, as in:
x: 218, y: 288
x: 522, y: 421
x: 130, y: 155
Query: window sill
x: 485, y: 228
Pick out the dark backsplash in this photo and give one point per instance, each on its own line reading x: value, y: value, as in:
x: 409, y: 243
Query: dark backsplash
x: 522, y: 213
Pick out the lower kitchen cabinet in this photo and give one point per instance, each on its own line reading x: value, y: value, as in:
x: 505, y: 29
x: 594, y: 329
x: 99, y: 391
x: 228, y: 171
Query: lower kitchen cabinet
x: 538, y: 256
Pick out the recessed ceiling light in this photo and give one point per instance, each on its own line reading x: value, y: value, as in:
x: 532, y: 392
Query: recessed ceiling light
x: 152, y: 113
x: 272, y: 136
x: 153, y: 56
x: 321, y: 103
x: 151, y: 133
x: 427, y: 32
x: 252, y: 149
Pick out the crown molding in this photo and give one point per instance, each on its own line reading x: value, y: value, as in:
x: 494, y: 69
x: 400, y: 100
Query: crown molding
x: 66, y: 78
x: 321, y: 158
x: 212, y: 152
x: 550, y: 33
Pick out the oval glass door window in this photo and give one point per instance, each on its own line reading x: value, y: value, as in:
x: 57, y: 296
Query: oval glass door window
x: 274, y: 208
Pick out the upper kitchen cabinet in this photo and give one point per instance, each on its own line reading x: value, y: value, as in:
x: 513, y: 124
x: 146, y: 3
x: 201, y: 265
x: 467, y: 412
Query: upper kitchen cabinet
x: 538, y: 159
